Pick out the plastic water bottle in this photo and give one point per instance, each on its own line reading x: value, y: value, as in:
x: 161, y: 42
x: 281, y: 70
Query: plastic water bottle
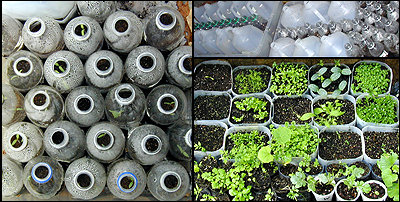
x: 44, y: 106
x: 164, y: 28
x: 380, y: 22
x: 316, y: 11
x: 98, y: 10
x: 391, y: 27
x: 246, y: 38
x: 166, y: 104
x: 126, y: 179
x: 148, y: 144
x: 334, y: 27
x: 390, y: 41
x: 366, y: 31
x: 292, y: 16
x: 85, y: 106
x: 12, y: 32
x: 64, y: 141
x: 83, y: 36
x: 105, y: 142
x: 64, y: 71
x: 168, y: 180
x: 12, y: 109
x: 282, y: 47
x: 37, y: 31
x: 307, y: 47
x: 123, y: 31
x: 125, y: 105
x: 352, y: 50
x: 323, y: 29
x: 378, y: 34
x: 24, y: 70
x: 292, y: 33
x: 145, y: 66
x: 179, y: 67
x: 43, y: 177
x: 302, y: 32
x: 357, y: 25
x: 180, y: 140
x: 392, y: 13
x: 85, y: 178
x: 104, y: 69
x: 339, y: 10
x: 281, y: 33
x: 346, y: 25
x: 333, y: 45
x: 11, y: 177
x: 23, y: 141
x: 376, y: 49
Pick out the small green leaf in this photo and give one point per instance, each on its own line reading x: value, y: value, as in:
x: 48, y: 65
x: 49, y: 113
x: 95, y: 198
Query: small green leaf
x: 346, y: 71
x: 116, y: 114
x: 15, y: 141
x: 306, y: 116
x: 264, y: 155
x: 318, y: 111
x: 13, y: 77
x: 313, y: 87
x: 314, y: 77
x: 336, y: 113
x: 336, y: 70
x: 322, y: 71
x: 17, y: 136
x: 322, y: 92
x: 131, y: 184
x: 101, y: 135
x: 61, y: 68
x: 342, y: 85
x: 336, y: 93
x: 19, y: 109
x: 326, y: 83
x: 335, y: 76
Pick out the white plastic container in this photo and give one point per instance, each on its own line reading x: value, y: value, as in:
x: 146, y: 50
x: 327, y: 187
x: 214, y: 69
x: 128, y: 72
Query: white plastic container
x: 209, y: 39
x: 246, y: 38
x: 383, y: 198
x: 199, y: 93
x: 224, y: 10
x: 377, y: 129
x: 211, y: 10
x: 307, y: 47
x: 316, y: 11
x: 224, y: 41
x: 217, y: 62
x: 342, y: 199
x: 239, y: 9
x: 261, y: 8
x: 327, y: 197
x: 198, y: 155
x: 292, y: 15
x: 339, y: 10
x: 282, y: 47
x: 198, y: 47
x: 290, y: 97
x: 351, y: 129
x: 246, y: 129
x: 333, y: 45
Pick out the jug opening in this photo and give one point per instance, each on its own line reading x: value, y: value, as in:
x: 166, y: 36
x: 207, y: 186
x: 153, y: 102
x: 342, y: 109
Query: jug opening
x: 167, y: 104
x: 121, y: 25
x: 151, y: 144
x: 60, y: 67
x: 188, y: 138
x: 84, y: 104
x: 185, y: 64
x: 84, y: 181
x: 125, y: 94
x: 41, y: 172
x: 103, y: 64
x: 103, y: 139
x: 57, y: 137
x: 146, y: 62
x: 170, y: 181
x: 166, y: 19
x: 128, y: 182
x: 35, y: 26
x: 16, y: 141
x: 81, y: 30
x: 22, y: 66
x: 39, y: 99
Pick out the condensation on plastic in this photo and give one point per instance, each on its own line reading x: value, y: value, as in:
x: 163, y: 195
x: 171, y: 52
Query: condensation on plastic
x: 12, y: 108
x: 380, y: 130
x: 175, y: 62
x: 180, y: 140
x: 11, y: 178
x: 199, y: 93
x: 252, y: 67
x: 98, y: 10
x: 282, y: 47
x: 290, y: 97
x: 11, y: 30
x: 198, y: 155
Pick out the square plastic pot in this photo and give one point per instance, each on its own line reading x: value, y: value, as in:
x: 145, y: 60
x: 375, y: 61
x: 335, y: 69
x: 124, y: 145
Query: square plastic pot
x: 198, y: 155
x: 376, y: 129
x: 290, y: 97
x: 273, y: 69
x: 247, y: 68
x: 216, y: 62
x: 198, y: 93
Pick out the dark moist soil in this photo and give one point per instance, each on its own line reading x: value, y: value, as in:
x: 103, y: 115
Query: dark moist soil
x: 18, y: 143
x: 314, y: 170
x: 271, y: 168
x: 207, y: 164
x: 262, y: 180
x: 166, y: 103
x: 39, y: 99
x: 121, y: 26
x: 166, y: 19
x: 41, y: 172
x: 210, y: 137
x: 323, y: 189
x: 146, y: 62
x: 171, y: 181
x: 35, y: 26
x: 211, y: 107
x: 151, y: 144
x: 202, y: 183
x: 345, y: 192
x: 212, y: 77
x: 362, y: 165
x: 23, y: 66
x: 83, y: 180
x: 78, y: 30
x: 84, y: 104
x: 290, y: 109
x: 57, y: 137
x: 376, y: 141
x: 375, y: 187
x: 187, y: 64
x: 125, y: 93
x: 280, y: 184
x: 335, y: 84
x: 346, y: 145
x: 347, y: 107
x: 248, y: 115
x: 288, y: 169
x: 265, y: 75
x: 229, y: 143
x: 103, y: 64
x: 355, y: 73
x: 220, y: 196
x: 58, y: 69
x: 104, y: 141
x: 260, y: 195
x: 126, y: 181
x: 376, y: 170
x: 334, y: 168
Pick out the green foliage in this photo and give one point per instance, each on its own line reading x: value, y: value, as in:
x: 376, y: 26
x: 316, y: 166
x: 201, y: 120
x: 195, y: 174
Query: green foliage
x: 337, y: 63
x: 370, y: 78
x: 60, y: 67
x: 238, y: 119
x: 209, y: 77
x: 306, y: 164
x: 116, y: 114
x: 377, y: 110
x: 198, y: 147
x: 327, y: 114
x: 196, y: 167
x: 322, y: 92
x: 269, y: 196
x: 207, y: 197
x: 390, y: 173
x: 298, y: 179
x: 352, y: 174
x: 289, y: 79
x: 336, y: 73
x: 251, y: 103
x: 131, y: 184
x: 264, y: 155
x: 197, y: 191
x: 101, y: 135
x: 251, y: 82
x: 83, y: 30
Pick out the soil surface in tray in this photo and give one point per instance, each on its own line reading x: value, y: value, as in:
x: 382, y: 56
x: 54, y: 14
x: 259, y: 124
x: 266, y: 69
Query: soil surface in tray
x: 262, y: 180
x: 210, y: 137
x: 339, y: 145
x: 265, y: 76
x: 345, y: 192
x: 229, y: 143
x: 323, y: 189
x: 314, y: 170
x: 288, y: 169
x: 278, y: 184
x: 220, y: 196
x: 362, y: 165
x: 334, y: 85
x: 376, y: 141
x: 211, y: 107
x: 334, y: 168
x: 248, y: 116
x: 375, y: 187
x: 347, y: 107
x: 213, y: 77
x: 290, y: 109
x: 376, y: 170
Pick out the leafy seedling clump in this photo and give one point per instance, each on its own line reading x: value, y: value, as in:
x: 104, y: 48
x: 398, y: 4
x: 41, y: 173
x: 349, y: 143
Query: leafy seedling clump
x: 251, y: 80
x: 289, y: 79
x: 370, y: 78
x: 377, y: 109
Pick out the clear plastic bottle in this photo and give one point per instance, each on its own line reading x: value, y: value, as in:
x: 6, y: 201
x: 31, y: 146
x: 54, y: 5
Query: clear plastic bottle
x: 339, y: 10
x: 98, y: 10
x: 211, y: 10
x: 369, y: 17
x: 123, y: 31
x: 282, y: 33
x: 366, y: 31
x: 307, y: 47
x: 380, y: 22
x: 224, y: 41
x: 357, y: 25
x: 168, y: 180
x: 43, y: 177
x: 24, y: 70
x: 64, y: 71
x: 85, y: 106
x: 180, y: 140
x: 11, y: 31
x: 83, y: 36
x: 334, y: 27
x: 105, y: 142
x: 376, y: 49
x: 125, y: 105
x: 392, y: 27
x: 261, y: 8
x: 148, y: 144
x: 23, y: 141
x: 302, y: 32
x: 346, y: 25
x: 378, y: 34
x: 164, y: 28
x: 126, y: 179
x: 44, y: 105
x: 392, y: 13
x: 323, y: 29
x: 352, y: 50
x: 12, y: 109
x: 179, y: 67
x: 145, y: 66
x: 360, y: 13
x: 104, y: 69
x: 390, y: 41
x: 333, y: 45
x: 11, y: 178
x: 209, y: 41
x: 64, y: 141
x: 292, y: 16
x: 43, y: 36
x: 166, y: 104
x: 85, y: 178
x: 247, y: 38
x: 316, y: 11
x: 282, y: 47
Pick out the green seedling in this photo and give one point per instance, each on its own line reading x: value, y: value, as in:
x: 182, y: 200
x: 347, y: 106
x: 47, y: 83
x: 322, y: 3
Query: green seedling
x: 116, y: 114
x: 209, y: 77
x: 327, y: 114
